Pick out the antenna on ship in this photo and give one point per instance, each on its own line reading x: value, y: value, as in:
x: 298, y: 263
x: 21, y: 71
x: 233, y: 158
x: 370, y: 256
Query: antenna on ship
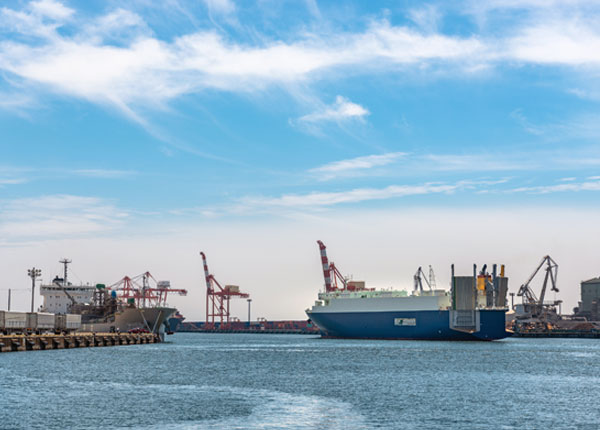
x: 65, y: 262
x: 431, y: 278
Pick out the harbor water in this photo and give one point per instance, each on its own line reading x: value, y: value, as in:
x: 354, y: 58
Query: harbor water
x: 247, y: 381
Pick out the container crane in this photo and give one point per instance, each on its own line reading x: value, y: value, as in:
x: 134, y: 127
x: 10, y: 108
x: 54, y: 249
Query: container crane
x: 533, y: 306
x: 144, y: 294
x: 217, y: 300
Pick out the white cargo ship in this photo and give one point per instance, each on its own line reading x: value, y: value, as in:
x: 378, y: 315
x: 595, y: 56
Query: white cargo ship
x: 474, y: 308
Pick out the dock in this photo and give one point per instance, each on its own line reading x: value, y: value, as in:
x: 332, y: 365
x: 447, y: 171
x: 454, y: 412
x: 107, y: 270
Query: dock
x: 40, y: 342
x: 558, y: 333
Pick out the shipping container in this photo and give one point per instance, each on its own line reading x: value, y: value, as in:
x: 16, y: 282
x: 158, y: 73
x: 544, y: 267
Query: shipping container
x: 13, y: 321
x: 37, y: 321
x: 68, y: 322
x: 73, y: 321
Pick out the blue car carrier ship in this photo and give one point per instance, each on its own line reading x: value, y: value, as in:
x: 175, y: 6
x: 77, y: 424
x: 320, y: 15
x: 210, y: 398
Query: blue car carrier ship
x: 473, y: 309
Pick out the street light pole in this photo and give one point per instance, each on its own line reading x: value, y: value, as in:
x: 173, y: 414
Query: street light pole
x: 249, y: 301
x: 33, y: 274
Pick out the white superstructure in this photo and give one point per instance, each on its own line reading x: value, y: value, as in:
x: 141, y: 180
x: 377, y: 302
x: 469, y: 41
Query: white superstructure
x: 57, y: 302
x: 381, y: 301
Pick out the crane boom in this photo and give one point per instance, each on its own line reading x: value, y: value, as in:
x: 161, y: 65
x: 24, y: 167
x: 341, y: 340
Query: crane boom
x: 420, y: 277
x: 64, y: 290
x: 325, y: 264
x: 551, y: 272
x: 206, y: 272
x: 536, y: 305
x: 331, y: 273
x: 217, y: 300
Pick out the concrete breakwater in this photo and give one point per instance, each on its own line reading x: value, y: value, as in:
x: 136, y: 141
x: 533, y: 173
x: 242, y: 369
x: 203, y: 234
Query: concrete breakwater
x: 37, y: 342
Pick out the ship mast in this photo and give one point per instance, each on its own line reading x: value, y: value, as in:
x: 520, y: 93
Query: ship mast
x: 65, y: 262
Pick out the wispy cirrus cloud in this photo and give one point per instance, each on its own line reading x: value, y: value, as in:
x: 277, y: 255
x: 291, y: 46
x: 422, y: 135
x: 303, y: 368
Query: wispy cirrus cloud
x: 222, y: 7
x: 404, y: 163
x: 319, y: 199
x: 20, y: 175
x: 323, y: 199
x: 354, y: 166
x: 12, y: 181
x: 51, y: 9
x: 341, y: 110
x: 143, y: 71
x: 570, y: 186
x: 54, y: 216
x: 105, y: 173
x: 13, y: 175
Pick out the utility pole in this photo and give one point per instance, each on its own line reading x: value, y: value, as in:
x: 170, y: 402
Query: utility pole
x: 33, y: 274
x: 249, y: 301
x: 9, y: 299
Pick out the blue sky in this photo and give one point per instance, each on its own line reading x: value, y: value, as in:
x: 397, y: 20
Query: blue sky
x: 118, y: 118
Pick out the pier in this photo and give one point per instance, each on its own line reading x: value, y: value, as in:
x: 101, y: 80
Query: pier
x: 37, y: 342
x: 559, y: 333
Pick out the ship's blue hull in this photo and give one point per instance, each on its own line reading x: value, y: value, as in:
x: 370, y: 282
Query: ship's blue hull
x: 428, y: 325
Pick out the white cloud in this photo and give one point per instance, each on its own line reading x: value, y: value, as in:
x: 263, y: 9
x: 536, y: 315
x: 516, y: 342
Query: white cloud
x: 426, y: 17
x: 406, y: 164
x: 571, y: 42
x: 51, y: 9
x: 474, y: 162
x: 147, y: 70
x: 55, y: 216
x: 323, y: 199
x: 40, y: 18
x: 119, y: 24
x: 520, y: 117
x: 15, y: 101
x: 143, y: 71
x: 342, y: 110
x: 104, y: 173
x: 351, y: 166
x: 12, y: 181
x: 223, y: 7
x: 568, y: 187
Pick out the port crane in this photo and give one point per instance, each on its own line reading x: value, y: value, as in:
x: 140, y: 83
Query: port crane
x: 331, y: 273
x: 217, y: 299
x: 144, y: 294
x: 334, y: 280
x: 534, y: 307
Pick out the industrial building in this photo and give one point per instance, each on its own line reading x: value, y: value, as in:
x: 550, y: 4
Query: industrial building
x: 590, y: 299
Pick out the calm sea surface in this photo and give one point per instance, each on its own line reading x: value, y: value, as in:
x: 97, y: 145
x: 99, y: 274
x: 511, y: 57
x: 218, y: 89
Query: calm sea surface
x: 239, y: 381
